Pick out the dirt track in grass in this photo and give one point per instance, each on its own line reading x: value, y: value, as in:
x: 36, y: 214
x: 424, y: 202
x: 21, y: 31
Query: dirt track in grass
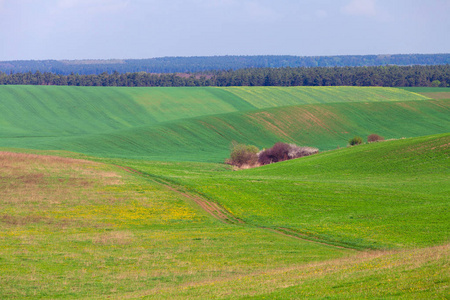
x: 223, y: 215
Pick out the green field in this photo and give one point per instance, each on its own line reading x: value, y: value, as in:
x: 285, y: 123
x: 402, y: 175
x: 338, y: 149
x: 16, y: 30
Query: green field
x: 421, y: 90
x: 198, y: 124
x: 122, y: 193
x: 384, y: 195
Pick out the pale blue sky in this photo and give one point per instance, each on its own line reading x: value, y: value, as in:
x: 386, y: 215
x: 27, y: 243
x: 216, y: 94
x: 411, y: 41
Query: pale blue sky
x: 94, y: 29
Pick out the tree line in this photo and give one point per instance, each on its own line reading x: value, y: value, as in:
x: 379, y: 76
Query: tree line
x: 211, y: 63
x: 388, y: 76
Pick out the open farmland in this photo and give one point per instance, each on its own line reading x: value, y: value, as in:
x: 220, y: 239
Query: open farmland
x: 78, y: 228
x: 74, y: 228
x: 198, y: 124
x: 144, y: 207
x: 378, y: 196
x: 434, y: 93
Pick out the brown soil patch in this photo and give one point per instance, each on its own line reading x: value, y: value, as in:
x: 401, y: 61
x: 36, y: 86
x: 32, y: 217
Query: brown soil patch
x: 293, y: 119
x: 438, y: 95
x: 268, y: 121
x: 23, y: 220
x: 442, y: 146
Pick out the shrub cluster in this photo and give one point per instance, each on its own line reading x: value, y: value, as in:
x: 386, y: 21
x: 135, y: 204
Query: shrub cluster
x: 248, y: 156
x: 283, y: 151
x: 243, y: 155
x: 357, y: 140
x: 374, y: 138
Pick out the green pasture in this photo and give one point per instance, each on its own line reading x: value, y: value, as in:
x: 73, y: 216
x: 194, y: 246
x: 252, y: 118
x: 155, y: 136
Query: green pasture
x: 391, y: 194
x: 77, y: 229
x: 85, y: 229
x: 59, y: 111
x: 53, y: 111
x: 107, y: 209
x: 198, y: 124
x: 421, y: 90
x: 433, y: 93
x: 265, y: 97
x: 208, y: 138
x: 98, y: 109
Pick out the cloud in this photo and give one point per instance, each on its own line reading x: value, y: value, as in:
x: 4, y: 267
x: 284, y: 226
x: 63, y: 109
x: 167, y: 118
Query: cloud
x: 360, y: 8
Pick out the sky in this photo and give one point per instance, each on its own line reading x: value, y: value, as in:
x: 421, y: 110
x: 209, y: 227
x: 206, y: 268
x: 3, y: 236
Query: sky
x: 126, y: 29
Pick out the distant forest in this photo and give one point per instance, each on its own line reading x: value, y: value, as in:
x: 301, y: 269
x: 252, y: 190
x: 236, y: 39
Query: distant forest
x: 215, y: 63
x: 388, y: 76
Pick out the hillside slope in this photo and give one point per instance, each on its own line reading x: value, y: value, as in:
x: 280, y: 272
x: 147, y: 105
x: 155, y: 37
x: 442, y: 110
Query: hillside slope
x: 81, y: 230
x: 391, y: 194
x: 123, y: 234
x: 207, y: 138
x: 200, y: 123
x: 62, y: 111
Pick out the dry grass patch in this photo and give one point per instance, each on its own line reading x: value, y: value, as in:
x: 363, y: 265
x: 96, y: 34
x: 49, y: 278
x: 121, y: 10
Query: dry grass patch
x: 114, y: 238
x: 34, y: 185
x: 64, y: 193
x: 32, y: 168
x: 411, y: 272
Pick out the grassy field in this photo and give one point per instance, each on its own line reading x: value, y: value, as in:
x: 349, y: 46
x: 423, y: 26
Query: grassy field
x: 325, y: 126
x: 75, y: 228
x: 145, y: 208
x: 51, y: 111
x: 434, y: 93
x: 421, y: 90
x: 198, y: 124
x: 79, y: 228
x: 378, y: 196
x: 265, y: 97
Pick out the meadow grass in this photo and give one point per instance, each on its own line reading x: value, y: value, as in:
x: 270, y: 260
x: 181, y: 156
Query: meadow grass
x: 43, y: 111
x: 81, y: 229
x: 433, y: 93
x: 208, y: 138
x: 385, y: 195
x: 265, y: 97
x: 406, y: 274
x: 362, y: 222
x: 153, y: 122
x: 421, y: 90
x: 49, y: 111
x: 85, y: 229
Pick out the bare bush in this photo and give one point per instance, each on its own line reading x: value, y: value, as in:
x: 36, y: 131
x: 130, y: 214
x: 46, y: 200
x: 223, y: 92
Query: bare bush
x: 374, y: 138
x: 278, y: 152
x: 296, y: 151
x: 282, y: 151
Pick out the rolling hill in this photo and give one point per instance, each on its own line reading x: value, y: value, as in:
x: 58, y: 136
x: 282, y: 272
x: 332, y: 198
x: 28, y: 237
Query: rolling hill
x: 382, y: 195
x: 150, y: 211
x: 198, y: 124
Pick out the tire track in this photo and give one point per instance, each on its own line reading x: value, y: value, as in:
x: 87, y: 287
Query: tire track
x: 212, y: 208
x: 220, y: 213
